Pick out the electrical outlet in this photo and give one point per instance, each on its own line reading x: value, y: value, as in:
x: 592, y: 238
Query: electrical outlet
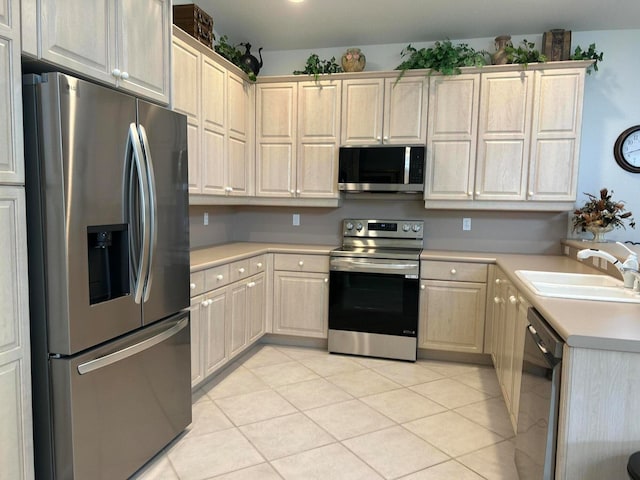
x: 466, y: 224
x: 296, y: 219
x: 206, y: 218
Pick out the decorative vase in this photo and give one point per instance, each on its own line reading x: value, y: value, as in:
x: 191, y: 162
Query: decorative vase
x: 500, y: 57
x: 598, y: 232
x: 353, y: 60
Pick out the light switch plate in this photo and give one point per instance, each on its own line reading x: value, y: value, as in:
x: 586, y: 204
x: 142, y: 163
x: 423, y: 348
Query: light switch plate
x: 296, y: 219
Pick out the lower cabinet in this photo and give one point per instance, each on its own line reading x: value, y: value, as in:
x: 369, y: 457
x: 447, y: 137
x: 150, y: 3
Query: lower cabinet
x: 301, y: 295
x: 452, y: 306
x: 227, y: 320
x: 509, y: 328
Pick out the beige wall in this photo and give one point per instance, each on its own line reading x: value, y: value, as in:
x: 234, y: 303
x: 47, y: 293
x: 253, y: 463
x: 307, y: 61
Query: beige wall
x: 515, y: 232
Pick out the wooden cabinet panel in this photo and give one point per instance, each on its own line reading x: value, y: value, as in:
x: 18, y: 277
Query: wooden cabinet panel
x: 301, y: 303
x: 239, y: 152
x: 452, y: 316
x: 362, y: 107
x: 456, y: 271
x: 275, y: 170
x: 196, y: 286
x: 237, y: 321
x: 217, y: 277
x: 256, y: 307
x: 214, y: 341
x: 405, y: 112
x: 451, y: 137
x: 197, y: 312
x: 11, y: 153
x: 317, y: 171
x: 143, y: 31
x: 301, y: 263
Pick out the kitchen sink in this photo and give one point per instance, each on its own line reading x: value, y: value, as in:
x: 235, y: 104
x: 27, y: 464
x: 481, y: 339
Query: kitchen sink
x: 578, y: 286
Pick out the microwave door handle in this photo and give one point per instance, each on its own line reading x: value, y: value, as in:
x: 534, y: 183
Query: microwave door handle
x: 153, y: 211
x: 407, y: 164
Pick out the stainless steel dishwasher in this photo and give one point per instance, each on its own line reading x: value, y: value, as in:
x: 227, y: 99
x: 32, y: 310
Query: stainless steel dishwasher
x: 536, y: 438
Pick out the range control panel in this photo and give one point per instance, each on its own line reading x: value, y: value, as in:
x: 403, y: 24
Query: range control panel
x: 410, y: 229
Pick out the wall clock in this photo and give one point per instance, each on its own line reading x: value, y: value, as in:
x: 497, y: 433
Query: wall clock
x: 626, y: 150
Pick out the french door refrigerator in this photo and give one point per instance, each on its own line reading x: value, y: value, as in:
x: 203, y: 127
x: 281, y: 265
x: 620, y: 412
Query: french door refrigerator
x: 108, y: 242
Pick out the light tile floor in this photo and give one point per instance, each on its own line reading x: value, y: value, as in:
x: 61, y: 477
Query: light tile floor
x: 300, y: 413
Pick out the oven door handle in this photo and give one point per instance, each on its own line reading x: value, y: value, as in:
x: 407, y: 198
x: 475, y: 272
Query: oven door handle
x: 395, y: 268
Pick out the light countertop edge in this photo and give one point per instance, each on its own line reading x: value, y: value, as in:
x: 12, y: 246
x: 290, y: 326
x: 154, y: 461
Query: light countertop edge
x: 581, y: 323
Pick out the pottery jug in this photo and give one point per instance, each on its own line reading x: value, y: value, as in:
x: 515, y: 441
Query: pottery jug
x: 353, y: 60
x: 249, y: 61
x: 500, y: 57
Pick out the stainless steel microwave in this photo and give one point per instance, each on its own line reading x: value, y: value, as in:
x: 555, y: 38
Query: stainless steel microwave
x: 381, y: 169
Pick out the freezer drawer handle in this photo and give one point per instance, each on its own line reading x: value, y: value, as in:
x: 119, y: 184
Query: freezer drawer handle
x: 114, y: 357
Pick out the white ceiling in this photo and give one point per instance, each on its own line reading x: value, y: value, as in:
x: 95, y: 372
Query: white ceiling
x: 282, y: 25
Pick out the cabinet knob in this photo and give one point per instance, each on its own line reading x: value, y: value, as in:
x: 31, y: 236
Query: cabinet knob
x: 386, y: 139
x: 477, y: 194
x: 192, y: 286
x: 205, y: 303
x: 530, y: 194
x: 219, y: 277
x: 469, y: 193
x: 422, y: 287
x: 298, y: 192
x: 124, y: 75
x: 326, y: 280
x: 378, y: 138
x: 301, y: 263
x: 241, y: 270
x: 293, y: 192
x: 453, y: 271
x: 259, y: 265
x: 116, y: 73
x: 251, y: 284
x: 513, y: 300
x: 498, y: 281
x: 496, y: 299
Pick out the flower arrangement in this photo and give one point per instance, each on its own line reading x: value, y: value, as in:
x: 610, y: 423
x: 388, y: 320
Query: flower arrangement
x: 601, y: 213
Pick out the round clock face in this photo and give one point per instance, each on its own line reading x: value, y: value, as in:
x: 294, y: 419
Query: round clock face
x: 627, y: 149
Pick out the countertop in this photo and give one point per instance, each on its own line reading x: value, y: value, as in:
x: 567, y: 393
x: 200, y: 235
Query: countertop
x: 581, y: 323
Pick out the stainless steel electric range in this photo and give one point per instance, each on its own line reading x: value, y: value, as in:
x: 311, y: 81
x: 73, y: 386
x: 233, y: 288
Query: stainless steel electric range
x: 374, y: 289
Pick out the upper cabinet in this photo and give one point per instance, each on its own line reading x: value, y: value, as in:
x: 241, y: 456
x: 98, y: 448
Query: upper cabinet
x: 218, y: 104
x: 297, y: 132
x: 522, y: 151
x: 11, y: 153
x: 384, y: 111
x: 123, y: 43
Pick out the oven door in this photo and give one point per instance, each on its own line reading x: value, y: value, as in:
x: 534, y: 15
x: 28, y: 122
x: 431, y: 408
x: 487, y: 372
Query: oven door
x: 374, y: 296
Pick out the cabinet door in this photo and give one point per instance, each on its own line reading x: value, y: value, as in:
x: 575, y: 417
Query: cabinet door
x: 186, y: 100
x: 256, y: 307
x: 276, y: 136
x: 451, y: 137
x: 405, y: 111
x: 11, y: 153
x: 452, y: 316
x: 237, y: 318
x: 510, y: 320
x: 555, y: 142
x: 503, y: 136
x: 213, y: 127
x: 16, y: 445
x: 215, y: 351
x: 239, y: 132
x: 518, y: 355
x: 143, y: 32
x: 318, y: 139
x: 301, y: 303
x: 197, y: 313
x: 79, y: 35
x: 362, y: 107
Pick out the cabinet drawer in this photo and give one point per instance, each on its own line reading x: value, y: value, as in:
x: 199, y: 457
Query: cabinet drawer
x: 257, y: 264
x: 239, y: 270
x: 302, y: 263
x: 457, y: 271
x: 216, y: 277
x: 197, y: 283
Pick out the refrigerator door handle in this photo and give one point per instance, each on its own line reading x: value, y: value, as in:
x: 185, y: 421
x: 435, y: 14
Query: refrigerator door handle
x: 153, y: 209
x: 127, y: 352
x: 138, y: 167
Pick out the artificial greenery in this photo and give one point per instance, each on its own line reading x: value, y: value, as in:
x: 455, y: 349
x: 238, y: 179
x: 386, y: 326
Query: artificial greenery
x: 590, y: 54
x: 443, y: 57
x: 315, y: 66
x: 233, y: 54
x: 525, y: 53
x: 601, y: 212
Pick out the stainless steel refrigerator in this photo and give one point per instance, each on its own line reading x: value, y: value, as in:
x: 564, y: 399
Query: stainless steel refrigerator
x: 108, y: 242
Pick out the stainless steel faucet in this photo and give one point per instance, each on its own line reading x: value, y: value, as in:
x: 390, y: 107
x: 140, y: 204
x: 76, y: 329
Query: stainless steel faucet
x: 629, y: 269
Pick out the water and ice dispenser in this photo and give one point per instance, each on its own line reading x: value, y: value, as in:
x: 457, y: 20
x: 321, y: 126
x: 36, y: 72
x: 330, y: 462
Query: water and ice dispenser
x: 108, y: 248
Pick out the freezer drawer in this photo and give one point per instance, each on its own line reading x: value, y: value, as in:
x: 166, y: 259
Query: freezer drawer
x: 119, y: 404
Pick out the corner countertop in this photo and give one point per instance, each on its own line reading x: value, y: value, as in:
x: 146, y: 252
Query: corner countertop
x: 203, y: 258
x: 581, y: 323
